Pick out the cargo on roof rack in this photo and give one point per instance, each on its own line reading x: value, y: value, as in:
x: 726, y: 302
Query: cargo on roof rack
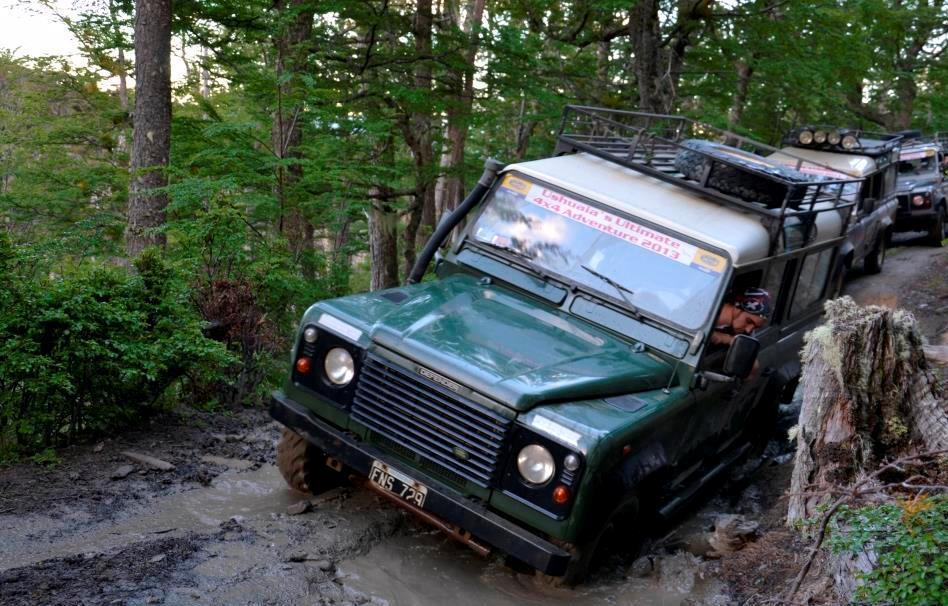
x: 707, y: 161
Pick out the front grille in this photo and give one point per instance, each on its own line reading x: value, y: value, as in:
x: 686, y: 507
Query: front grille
x: 437, y: 425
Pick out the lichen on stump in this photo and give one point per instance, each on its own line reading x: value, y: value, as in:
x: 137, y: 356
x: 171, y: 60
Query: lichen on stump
x: 869, y: 396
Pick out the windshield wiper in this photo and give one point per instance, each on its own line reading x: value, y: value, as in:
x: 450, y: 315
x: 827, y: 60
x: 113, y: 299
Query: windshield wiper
x: 517, y: 253
x: 514, y: 251
x: 619, y: 288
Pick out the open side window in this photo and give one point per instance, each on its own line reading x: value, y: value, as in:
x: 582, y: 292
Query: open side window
x: 714, y: 354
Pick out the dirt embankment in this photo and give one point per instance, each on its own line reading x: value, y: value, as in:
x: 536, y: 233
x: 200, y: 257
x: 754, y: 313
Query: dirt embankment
x: 219, y: 527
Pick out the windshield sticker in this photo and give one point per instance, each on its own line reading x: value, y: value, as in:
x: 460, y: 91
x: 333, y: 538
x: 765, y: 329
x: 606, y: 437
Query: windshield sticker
x: 516, y: 184
x: 618, y: 227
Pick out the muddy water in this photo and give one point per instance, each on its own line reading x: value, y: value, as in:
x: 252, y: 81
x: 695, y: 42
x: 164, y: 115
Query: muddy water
x: 428, y: 569
x: 63, y: 532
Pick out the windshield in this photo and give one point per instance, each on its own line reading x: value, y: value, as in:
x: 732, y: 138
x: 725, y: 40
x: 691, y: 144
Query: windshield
x: 917, y: 163
x: 643, y: 267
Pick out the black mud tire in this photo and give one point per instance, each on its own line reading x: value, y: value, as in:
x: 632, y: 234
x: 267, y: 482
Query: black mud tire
x: 303, y: 466
x: 876, y: 259
x: 692, y: 161
x: 618, y: 531
x: 936, y: 233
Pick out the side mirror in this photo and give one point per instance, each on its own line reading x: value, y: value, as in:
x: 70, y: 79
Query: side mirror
x: 741, y: 356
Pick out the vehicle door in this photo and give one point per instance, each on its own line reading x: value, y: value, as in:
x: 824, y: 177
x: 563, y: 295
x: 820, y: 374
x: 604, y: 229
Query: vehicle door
x: 880, y: 206
x: 727, y: 406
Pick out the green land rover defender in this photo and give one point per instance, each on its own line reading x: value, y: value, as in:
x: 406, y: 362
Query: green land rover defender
x: 555, y: 385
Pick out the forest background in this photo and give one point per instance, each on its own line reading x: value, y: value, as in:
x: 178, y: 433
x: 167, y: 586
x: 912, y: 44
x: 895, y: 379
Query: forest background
x: 159, y: 239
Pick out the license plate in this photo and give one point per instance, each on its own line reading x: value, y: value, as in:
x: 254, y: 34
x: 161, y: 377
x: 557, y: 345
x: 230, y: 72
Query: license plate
x: 397, y: 483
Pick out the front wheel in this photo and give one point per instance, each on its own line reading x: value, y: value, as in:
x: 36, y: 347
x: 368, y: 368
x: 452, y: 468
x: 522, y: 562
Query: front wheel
x: 876, y: 259
x: 936, y: 233
x: 619, y: 532
x: 303, y: 466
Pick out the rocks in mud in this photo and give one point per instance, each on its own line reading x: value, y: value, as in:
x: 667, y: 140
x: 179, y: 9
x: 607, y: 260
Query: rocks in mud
x: 148, y: 461
x: 122, y: 472
x: 731, y: 533
x: 642, y: 567
x: 299, y: 508
x: 678, y: 572
x: 296, y: 556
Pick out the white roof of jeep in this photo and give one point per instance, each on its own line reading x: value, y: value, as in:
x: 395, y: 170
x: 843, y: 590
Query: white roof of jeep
x: 853, y: 165
x: 742, y: 235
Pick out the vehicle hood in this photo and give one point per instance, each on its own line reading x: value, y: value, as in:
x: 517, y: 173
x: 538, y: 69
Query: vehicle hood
x: 503, y: 344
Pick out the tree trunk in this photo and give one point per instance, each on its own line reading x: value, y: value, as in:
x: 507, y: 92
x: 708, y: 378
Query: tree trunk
x: 450, y: 188
x: 736, y: 113
x: 287, y: 134
x: 658, y: 59
x: 868, y: 396
x: 603, y: 49
x: 419, y: 138
x: 151, y: 135
x: 383, y: 241
x: 525, y: 128
x: 646, y: 44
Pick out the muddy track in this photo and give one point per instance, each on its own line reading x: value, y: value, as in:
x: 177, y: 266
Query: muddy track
x: 222, y: 528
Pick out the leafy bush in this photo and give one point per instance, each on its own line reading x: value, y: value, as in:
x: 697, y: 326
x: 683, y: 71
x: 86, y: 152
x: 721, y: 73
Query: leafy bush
x: 92, y: 349
x: 908, y: 541
x: 245, y: 284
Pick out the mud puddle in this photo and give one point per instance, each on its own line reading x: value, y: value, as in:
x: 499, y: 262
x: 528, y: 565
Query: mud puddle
x: 34, y: 538
x: 427, y: 569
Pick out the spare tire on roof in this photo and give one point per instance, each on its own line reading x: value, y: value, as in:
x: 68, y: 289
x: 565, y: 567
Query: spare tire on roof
x: 695, y: 155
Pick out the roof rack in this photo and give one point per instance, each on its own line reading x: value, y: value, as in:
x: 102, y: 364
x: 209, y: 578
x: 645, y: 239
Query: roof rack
x: 649, y: 143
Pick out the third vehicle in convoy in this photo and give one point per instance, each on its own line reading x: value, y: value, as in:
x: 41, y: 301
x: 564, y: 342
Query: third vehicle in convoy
x: 922, y: 190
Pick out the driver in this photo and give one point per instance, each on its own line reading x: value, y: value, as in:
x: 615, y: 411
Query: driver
x: 748, y: 312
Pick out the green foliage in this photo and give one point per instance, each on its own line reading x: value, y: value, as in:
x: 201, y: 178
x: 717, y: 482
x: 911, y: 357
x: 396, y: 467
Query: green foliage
x: 908, y: 541
x: 258, y: 228
x: 93, y: 348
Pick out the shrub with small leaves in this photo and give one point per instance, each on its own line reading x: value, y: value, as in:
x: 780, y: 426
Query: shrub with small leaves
x: 908, y: 543
x: 94, y: 348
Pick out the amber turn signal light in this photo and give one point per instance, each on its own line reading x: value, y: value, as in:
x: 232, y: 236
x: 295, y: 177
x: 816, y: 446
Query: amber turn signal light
x: 561, y: 495
x: 303, y: 365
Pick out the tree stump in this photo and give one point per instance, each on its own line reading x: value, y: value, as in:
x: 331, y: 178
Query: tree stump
x: 869, y: 395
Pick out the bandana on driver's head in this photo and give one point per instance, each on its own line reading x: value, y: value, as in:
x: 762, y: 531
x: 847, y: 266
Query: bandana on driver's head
x: 754, y: 301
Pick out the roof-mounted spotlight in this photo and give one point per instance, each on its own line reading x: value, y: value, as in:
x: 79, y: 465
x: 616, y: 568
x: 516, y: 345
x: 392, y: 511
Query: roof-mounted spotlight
x: 833, y: 138
x: 805, y: 137
x: 850, y: 141
x: 820, y: 136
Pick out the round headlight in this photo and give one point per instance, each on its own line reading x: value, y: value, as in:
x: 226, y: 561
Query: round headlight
x: 310, y: 334
x: 833, y: 138
x: 805, y: 137
x: 535, y: 464
x: 850, y: 142
x: 918, y: 200
x: 820, y: 136
x: 340, y: 368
